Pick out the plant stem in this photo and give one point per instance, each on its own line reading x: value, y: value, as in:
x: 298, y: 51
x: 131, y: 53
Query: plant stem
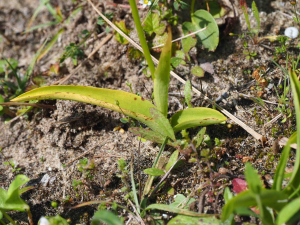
x: 2, y: 222
x: 192, y: 9
x: 136, y: 201
x: 142, y: 38
x: 160, y: 151
x: 8, y: 217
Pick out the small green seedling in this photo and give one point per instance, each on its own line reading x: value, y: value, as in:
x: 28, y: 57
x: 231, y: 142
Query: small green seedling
x: 11, y: 200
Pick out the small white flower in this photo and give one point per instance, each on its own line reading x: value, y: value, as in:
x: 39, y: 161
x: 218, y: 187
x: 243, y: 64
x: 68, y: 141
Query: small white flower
x: 291, y: 32
x: 44, y: 221
x: 145, y: 3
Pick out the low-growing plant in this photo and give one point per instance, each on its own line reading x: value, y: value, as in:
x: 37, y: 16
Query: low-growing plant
x: 163, y: 130
x: 11, y: 200
x: 280, y: 205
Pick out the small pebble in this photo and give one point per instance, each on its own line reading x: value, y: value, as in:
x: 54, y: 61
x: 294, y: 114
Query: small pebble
x: 223, y: 171
x: 291, y: 32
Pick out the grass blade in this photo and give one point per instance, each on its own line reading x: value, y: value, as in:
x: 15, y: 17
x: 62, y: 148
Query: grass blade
x: 50, y: 44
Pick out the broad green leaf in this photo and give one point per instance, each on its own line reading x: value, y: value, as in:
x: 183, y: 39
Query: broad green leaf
x: 120, y: 101
x: 191, y: 220
x: 269, y: 198
x: 173, y: 209
x: 50, y: 44
x: 197, y: 71
x: 197, y: 140
x: 294, y: 184
x: 164, y: 126
x: 195, y: 117
x: 216, y: 9
x: 172, y: 160
x: 175, y: 61
x: 121, y: 25
x: 154, y: 172
x: 152, y: 24
x: 209, y: 37
x: 188, y: 93
x: 11, y: 200
x: 181, y: 200
x: 188, y: 43
x: 256, y: 15
x: 280, y: 170
x: 162, y: 77
x: 290, y: 211
x: 150, y: 135
x: 106, y: 217
x: 253, y: 179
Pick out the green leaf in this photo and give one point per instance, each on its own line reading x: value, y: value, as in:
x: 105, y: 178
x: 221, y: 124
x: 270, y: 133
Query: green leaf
x: 11, y: 200
x: 152, y: 24
x: 197, y: 71
x: 191, y: 220
x: 253, y: 179
x: 227, y: 194
x: 121, y: 25
x: 172, y: 160
x: 163, y: 125
x: 50, y: 44
x: 256, y: 15
x: 269, y: 198
x: 194, y: 117
x: 188, y: 93
x: 209, y: 37
x: 149, y: 135
x: 216, y: 9
x: 197, y: 140
x: 154, y: 172
x: 181, y: 200
x: 188, y: 43
x: 120, y: 101
x: 246, y: 18
x: 290, y: 213
x: 162, y: 77
x: 4, y: 65
x: 56, y: 220
x: 294, y: 184
x: 175, y: 61
x: 173, y: 209
x: 280, y: 170
x: 106, y: 217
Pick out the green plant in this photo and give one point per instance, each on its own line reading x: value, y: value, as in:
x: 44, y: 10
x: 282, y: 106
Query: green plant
x: 10, y: 163
x: 73, y: 50
x: 200, y: 19
x: 163, y: 130
x: 11, y: 200
x: 253, y: 33
x: 285, y: 202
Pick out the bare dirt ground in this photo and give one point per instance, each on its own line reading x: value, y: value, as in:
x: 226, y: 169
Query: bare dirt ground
x: 42, y: 142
